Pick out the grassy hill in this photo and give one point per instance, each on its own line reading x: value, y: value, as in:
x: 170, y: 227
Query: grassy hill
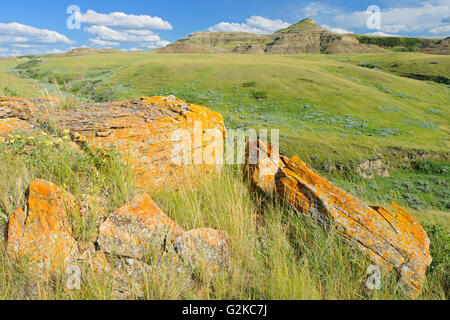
x: 331, y: 110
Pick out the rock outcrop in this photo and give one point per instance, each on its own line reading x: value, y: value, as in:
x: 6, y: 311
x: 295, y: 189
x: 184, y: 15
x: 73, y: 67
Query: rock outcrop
x: 304, y: 37
x: 393, y: 241
x: 42, y: 231
x: 142, y: 130
x: 133, y: 242
x: 137, y: 229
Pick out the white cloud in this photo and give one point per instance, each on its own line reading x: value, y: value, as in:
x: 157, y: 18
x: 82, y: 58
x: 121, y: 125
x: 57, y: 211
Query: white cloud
x: 20, y: 39
x: 441, y: 30
x: 104, y: 43
x: 117, y: 28
x: 123, y: 20
x: 108, y: 34
x: 19, y: 33
x: 107, y: 37
x: 335, y: 30
x: 419, y: 18
x: 315, y: 8
x: 382, y: 34
x: 254, y: 24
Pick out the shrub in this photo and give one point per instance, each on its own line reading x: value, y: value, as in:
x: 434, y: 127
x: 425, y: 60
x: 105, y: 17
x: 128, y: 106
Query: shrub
x: 249, y: 84
x: 429, y: 167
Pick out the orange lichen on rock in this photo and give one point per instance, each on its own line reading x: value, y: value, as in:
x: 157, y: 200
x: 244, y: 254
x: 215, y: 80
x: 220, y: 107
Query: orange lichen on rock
x: 148, y: 145
x: 392, y: 241
x: 42, y: 231
x: 144, y: 131
x: 13, y: 125
x: 261, y: 165
x: 137, y: 228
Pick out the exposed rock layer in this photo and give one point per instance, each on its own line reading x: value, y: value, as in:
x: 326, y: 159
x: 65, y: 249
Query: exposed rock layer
x: 391, y: 240
x: 303, y: 37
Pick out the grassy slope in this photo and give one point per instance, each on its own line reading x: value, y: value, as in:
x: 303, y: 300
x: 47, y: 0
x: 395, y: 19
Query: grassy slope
x: 330, y: 88
x: 328, y: 109
x: 404, y: 64
x: 11, y: 85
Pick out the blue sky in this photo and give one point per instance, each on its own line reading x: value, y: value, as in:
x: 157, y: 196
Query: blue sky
x: 41, y: 26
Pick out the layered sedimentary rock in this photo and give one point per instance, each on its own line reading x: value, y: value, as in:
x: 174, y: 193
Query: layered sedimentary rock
x: 391, y: 240
x: 142, y: 130
x: 304, y: 37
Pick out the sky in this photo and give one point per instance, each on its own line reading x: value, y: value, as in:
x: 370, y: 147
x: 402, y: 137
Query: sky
x: 48, y: 26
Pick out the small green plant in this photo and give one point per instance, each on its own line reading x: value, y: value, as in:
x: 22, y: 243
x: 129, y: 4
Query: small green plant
x: 260, y: 95
x: 249, y: 84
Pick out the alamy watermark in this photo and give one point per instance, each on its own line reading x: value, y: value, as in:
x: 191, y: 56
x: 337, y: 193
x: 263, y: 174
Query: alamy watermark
x: 74, y: 20
x: 198, y: 146
x: 374, y: 20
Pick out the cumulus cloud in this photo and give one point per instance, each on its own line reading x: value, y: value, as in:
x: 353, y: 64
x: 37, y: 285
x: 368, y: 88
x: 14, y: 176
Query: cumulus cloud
x: 419, y: 18
x: 20, y: 39
x: 446, y: 19
x: 19, y: 33
x: 108, y: 37
x: 117, y: 29
x: 335, y: 30
x: 123, y: 20
x: 254, y: 24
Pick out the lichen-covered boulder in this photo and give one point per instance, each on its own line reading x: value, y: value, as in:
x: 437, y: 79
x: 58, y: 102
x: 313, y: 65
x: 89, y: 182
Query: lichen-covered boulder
x: 144, y: 132
x: 205, y: 249
x: 42, y: 231
x: 137, y: 229
x: 393, y: 241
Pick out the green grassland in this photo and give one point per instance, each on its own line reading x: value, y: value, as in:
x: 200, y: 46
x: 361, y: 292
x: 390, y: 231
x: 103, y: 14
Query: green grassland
x: 332, y: 111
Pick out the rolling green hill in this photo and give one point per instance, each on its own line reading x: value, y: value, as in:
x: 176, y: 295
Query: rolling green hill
x: 333, y: 111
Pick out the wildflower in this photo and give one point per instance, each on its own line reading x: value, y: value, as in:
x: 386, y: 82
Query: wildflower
x: 2, y: 140
x: 58, y: 141
x: 30, y: 138
x: 10, y: 136
x: 66, y: 132
x: 17, y: 137
x: 66, y: 138
x: 49, y: 143
x: 12, y: 141
x: 44, y: 134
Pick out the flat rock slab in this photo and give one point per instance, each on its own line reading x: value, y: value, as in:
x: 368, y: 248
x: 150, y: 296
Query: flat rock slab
x: 141, y: 130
